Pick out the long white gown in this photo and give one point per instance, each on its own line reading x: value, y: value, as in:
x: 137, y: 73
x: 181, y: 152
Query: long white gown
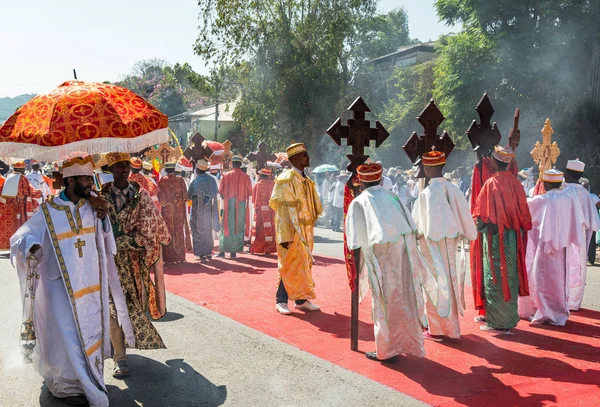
x: 71, y: 309
x: 443, y: 218
x: 557, y: 224
x: 381, y: 226
x: 577, y: 256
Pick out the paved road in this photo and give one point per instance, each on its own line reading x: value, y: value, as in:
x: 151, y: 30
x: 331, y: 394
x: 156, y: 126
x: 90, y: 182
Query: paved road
x: 211, y: 361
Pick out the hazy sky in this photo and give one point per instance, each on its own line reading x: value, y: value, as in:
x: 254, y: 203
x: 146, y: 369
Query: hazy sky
x: 41, y: 41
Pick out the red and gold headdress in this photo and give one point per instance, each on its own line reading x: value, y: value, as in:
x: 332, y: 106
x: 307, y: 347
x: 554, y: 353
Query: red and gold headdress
x: 113, y: 158
x: 136, y: 162
x: 433, y: 158
x: 370, y: 172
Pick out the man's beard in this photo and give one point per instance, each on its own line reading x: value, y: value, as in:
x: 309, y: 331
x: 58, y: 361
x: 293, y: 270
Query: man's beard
x: 81, y: 191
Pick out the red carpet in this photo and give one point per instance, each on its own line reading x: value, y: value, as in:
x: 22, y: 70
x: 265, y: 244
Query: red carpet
x: 537, y: 366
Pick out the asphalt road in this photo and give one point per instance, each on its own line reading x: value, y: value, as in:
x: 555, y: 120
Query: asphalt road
x: 211, y: 361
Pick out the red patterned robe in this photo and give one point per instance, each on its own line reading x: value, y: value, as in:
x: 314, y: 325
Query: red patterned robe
x: 14, y: 210
x: 172, y: 195
x: 262, y: 237
x: 148, y: 185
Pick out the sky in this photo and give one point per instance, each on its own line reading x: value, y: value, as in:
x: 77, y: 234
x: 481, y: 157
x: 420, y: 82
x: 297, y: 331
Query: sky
x: 42, y: 41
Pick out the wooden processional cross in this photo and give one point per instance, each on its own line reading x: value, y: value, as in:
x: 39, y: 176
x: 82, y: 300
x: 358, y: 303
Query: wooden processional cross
x: 358, y: 134
x: 483, y: 135
x: 197, y: 149
x: 430, y: 118
x: 546, y: 153
x: 163, y: 154
x: 261, y: 156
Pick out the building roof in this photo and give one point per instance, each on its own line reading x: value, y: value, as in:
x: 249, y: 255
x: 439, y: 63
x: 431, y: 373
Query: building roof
x: 406, y: 50
x: 208, y: 113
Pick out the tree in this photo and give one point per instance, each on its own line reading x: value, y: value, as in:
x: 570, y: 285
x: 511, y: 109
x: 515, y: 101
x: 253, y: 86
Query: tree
x: 295, y: 60
x: 530, y: 54
x: 172, y: 89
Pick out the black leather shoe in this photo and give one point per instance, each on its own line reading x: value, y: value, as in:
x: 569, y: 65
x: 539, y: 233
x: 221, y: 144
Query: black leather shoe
x: 233, y: 256
x: 373, y: 356
x: 79, y: 400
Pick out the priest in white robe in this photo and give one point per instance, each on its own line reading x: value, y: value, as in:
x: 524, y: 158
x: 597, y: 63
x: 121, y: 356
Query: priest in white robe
x: 577, y: 256
x: 37, y: 181
x: 69, y: 244
x: 381, y: 226
x: 444, y: 220
x: 557, y: 222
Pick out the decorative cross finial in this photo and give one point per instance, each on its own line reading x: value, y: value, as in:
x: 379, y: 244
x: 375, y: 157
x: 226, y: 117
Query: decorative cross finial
x: 484, y: 136
x: 358, y: 133
x: 261, y: 156
x: 430, y: 118
x: 546, y: 153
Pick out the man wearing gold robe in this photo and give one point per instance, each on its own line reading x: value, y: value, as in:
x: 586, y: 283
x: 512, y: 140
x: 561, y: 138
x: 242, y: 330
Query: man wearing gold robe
x: 297, y: 208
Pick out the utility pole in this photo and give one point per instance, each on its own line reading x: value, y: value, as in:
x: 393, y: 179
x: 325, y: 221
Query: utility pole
x: 216, y: 110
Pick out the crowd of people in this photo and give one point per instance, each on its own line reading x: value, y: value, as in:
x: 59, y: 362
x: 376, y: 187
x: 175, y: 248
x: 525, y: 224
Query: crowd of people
x: 95, y: 242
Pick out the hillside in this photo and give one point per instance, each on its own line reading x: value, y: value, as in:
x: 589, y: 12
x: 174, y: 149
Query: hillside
x: 9, y: 105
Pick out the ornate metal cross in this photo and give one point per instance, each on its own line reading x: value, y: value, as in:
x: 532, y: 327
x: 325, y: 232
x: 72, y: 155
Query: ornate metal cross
x: 197, y: 149
x: 79, y: 246
x: 546, y: 153
x: 430, y: 118
x: 483, y: 135
x: 261, y: 156
x: 226, y: 158
x: 358, y: 133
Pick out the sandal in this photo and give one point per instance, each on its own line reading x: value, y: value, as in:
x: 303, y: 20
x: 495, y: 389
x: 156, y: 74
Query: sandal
x: 121, y: 369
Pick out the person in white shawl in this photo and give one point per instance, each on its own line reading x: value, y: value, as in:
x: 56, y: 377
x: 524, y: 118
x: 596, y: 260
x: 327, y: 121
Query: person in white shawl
x: 444, y: 219
x: 557, y: 222
x: 380, y: 225
x: 577, y: 256
x: 64, y: 256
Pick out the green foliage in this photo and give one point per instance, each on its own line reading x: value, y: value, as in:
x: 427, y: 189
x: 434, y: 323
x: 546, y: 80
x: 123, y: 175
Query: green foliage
x: 172, y: 89
x: 535, y: 55
x: 295, y: 60
x: 413, y: 86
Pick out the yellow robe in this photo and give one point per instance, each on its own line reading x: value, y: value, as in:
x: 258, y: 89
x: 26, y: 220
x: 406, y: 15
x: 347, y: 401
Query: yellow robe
x: 297, y: 208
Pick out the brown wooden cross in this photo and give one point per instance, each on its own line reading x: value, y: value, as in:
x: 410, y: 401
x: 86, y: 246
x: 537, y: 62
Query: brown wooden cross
x: 430, y: 118
x: 546, y: 153
x: 358, y: 134
x: 514, y: 136
x: 197, y: 149
x: 79, y: 246
x: 483, y: 135
x: 261, y: 156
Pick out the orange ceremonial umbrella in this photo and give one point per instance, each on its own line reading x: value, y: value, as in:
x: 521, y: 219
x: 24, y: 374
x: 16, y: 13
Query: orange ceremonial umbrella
x: 82, y: 118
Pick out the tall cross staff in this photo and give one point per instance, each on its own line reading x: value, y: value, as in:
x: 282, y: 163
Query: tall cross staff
x: 358, y: 134
x: 197, y: 149
x: 483, y: 135
x: 430, y: 118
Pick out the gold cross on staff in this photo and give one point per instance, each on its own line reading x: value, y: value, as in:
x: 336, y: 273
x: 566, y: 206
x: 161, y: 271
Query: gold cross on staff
x: 546, y: 153
x: 79, y: 245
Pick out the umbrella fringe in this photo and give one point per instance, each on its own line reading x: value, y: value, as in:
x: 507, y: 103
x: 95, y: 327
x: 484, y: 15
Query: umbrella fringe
x: 10, y: 151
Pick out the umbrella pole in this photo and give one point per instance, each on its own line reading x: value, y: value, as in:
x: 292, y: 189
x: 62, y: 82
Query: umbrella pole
x: 74, y: 74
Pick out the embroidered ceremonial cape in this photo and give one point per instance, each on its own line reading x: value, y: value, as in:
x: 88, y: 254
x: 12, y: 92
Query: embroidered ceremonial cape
x: 139, y: 233
x: 15, y: 208
x: 172, y: 194
x: 297, y: 208
x: 262, y: 236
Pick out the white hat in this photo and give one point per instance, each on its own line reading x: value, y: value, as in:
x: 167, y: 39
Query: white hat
x: 78, y: 166
x: 202, y: 164
x: 575, y: 165
x: 552, y: 176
